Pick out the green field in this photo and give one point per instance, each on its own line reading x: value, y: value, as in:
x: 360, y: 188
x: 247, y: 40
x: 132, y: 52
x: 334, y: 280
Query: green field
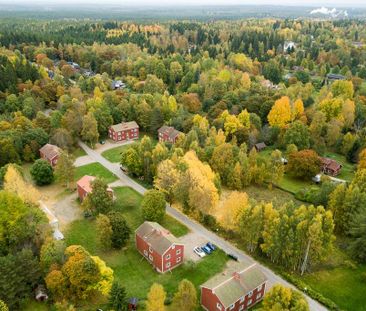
x: 129, y: 267
x: 95, y: 169
x: 78, y: 152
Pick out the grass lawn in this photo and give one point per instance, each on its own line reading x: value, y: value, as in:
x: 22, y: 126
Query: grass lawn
x: 345, y: 286
x: 293, y: 185
x: 128, y: 265
x: 78, y: 152
x: 95, y: 169
x: 32, y: 305
x: 114, y: 155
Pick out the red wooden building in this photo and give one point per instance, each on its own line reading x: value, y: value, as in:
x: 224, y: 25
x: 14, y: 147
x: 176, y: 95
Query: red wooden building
x: 168, y: 134
x: 124, y: 131
x: 84, y: 186
x: 50, y: 153
x: 238, y: 288
x: 330, y: 166
x: 159, y: 246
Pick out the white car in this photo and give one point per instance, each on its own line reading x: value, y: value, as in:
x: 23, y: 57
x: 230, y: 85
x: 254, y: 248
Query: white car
x: 199, y: 251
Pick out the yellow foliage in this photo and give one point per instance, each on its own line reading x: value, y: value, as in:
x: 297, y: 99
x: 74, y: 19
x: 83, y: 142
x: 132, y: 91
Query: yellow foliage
x: 156, y: 298
x: 280, y: 114
x: 231, y: 209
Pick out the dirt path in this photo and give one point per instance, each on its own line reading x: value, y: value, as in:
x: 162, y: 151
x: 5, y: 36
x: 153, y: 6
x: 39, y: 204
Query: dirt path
x: 67, y: 210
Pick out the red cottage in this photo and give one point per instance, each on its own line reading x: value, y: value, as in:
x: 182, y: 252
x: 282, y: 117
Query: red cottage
x: 124, y: 131
x: 50, y: 153
x: 168, y: 134
x: 238, y: 288
x: 330, y: 166
x: 84, y: 187
x: 159, y: 246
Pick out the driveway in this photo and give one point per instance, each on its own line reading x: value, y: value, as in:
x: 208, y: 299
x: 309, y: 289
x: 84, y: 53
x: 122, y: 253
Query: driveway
x: 197, y: 228
x: 67, y: 210
x: 190, y: 241
x: 83, y: 160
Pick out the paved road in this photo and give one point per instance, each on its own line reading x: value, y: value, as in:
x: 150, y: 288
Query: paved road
x: 196, y: 227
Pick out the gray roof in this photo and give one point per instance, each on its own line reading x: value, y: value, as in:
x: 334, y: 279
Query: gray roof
x: 50, y: 151
x: 235, y: 282
x: 157, y: 236
x: 170, y: 131
x: 125, y: 126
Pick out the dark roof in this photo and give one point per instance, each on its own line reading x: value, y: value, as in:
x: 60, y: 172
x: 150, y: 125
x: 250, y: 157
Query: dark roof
x: 261, y: 145
x: 331, y: 164
x: 170, y: 131
x: 157, y: 236
x: 50, y: 151
x: 334, y: 76
x: 235, y: 282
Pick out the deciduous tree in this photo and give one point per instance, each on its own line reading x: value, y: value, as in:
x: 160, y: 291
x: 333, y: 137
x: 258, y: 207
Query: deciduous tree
x: 156, y: 298
x: 186, y: 297
x: 153, y: 205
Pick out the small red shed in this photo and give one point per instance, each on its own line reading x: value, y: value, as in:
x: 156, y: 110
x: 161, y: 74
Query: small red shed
x: 124, y: 131
x: 238, y: 288
x: 50, y: 153
x: 159, y: 246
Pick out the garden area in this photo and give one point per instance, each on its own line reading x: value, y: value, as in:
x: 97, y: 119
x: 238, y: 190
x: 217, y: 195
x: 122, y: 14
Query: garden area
x: 129, y: 267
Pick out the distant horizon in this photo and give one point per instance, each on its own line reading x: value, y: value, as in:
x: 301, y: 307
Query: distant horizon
x: 190, y: 3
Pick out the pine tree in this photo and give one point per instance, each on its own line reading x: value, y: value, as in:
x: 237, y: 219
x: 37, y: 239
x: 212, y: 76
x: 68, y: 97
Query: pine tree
x: 117, y: 298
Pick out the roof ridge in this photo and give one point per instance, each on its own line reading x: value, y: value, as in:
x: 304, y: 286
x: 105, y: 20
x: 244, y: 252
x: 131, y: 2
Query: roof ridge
x: 229, y: 279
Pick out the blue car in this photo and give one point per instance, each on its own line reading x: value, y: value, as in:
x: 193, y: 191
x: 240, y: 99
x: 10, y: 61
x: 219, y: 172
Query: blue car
x: 211, y: 246
x: 206, y: 249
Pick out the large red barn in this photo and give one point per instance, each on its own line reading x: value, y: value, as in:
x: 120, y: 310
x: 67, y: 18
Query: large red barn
x: 124, y: 131
x: 168, y: 134
x: 160, y: 248
x: 238, y: 288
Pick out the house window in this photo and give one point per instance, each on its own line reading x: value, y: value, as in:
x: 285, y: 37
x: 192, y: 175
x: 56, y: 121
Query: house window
x: 150, y: 249
x: 259, y: 295
x: 242, y: 299
x: 219, y: 307
x: 145, y: 252
x: 178, y: 251
x: 150, y: 257
x: 241, y: 308
x: 167, y: 257
x: 179, y: 259
x: 168, y: 265
x: 250, y: 294
x: 232, y: 306
x: 249, y: 302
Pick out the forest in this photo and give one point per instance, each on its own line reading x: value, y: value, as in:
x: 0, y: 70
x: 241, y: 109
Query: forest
x: 260, y: 104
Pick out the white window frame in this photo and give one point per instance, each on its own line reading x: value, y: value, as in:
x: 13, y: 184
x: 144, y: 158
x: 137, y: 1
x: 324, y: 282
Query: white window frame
x: 218, y: 306
x: 179, y: 259
x: 168, y: 265
x: 145, y: 252
x: 178, y: 251
x: 241, y: 308
x: 167, y: 257
x: 259, y: 295
x: 250, y: 294
x: 151, y: 257
x: 232, y: 306
x: 150, y: 249
x: 249, y: 302
x: 242, y: 299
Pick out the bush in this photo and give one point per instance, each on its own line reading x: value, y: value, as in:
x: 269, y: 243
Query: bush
x: 42, y: 172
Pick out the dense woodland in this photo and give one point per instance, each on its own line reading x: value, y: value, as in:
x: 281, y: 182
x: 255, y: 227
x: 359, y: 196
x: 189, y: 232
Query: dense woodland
x: 226, y: 85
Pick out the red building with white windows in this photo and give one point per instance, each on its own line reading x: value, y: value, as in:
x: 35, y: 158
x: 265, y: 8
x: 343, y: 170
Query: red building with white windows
x: 124, y: 131
x: 159, y: 246
x: 168, y: 134
x: 50, y: 153
x: 237, y: 289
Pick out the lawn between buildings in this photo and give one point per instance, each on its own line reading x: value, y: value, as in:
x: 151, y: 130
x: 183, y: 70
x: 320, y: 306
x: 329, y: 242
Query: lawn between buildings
x: 95, y: 169
x: 129, y: 267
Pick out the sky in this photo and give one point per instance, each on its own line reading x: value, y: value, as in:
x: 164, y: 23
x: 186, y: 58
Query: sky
x: 316, y: 3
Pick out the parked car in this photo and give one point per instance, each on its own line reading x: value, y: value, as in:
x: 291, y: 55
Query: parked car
x: 199, y: 251
x: 102, y: 142
x: 233, y: 257
x: 211, y: 246
x: 206, y: 249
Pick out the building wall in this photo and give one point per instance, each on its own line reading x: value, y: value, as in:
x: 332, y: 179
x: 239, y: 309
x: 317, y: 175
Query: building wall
x: 53, y: 161
x: 173, y: 257
x: 151, y: 256
x: 165, y: 138
x: 124, y: 135
x: 209, y: 300
x: 81, y: 193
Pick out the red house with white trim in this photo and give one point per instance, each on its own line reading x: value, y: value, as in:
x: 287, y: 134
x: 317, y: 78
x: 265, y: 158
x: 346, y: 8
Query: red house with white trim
x: 84, y: 187
x: 50, y: 153
x: 238, y: 288
x: 124, y: 131
x: 160, y: 248
x: 168, y: 134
